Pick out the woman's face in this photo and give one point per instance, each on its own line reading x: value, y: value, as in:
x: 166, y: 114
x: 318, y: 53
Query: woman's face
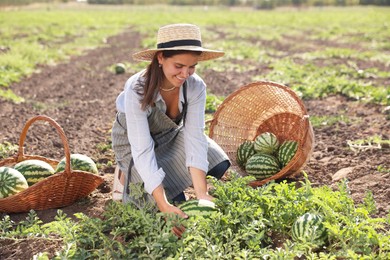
x: 177, y: 68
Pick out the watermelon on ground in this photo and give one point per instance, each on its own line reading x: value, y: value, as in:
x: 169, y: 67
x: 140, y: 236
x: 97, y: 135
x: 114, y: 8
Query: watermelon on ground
x: 34, y: 170
x: 120, y: 68
x: 201, y: 208
x: 11, y: 182
x: 309, y: 228
x: 79, y: 162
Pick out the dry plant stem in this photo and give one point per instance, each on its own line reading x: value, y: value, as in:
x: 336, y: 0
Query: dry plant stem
x: 360, y: 147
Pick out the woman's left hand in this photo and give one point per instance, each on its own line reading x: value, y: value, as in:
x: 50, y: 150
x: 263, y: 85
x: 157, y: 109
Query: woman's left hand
x: 205, y: 196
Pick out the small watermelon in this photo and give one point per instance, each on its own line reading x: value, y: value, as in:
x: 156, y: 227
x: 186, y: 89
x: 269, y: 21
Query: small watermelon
x: 120, y: 68
x: 262, y: 166
x: 202, y: 208
x: 244, y: 152
x: 79, y: 162
x: 266, y: 143
x: 34, y: 170
x: 309, y: 228
x: 287, y: 151
x: 11, y: 182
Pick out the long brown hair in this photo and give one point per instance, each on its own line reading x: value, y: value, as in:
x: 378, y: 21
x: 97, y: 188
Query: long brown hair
x: 154, y: 77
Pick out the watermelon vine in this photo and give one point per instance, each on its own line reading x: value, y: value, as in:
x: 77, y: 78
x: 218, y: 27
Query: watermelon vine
x: 248, y: 223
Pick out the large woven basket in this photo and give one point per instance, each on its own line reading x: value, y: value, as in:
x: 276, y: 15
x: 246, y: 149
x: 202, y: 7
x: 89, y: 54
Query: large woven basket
x: 263, y: 107
x: 59, y: 190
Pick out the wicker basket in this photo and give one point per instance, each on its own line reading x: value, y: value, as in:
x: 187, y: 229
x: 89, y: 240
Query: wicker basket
x: 263, y: 107
x: 58, y: 190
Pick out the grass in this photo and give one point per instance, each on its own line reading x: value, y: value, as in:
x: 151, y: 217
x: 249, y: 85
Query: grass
x: 6, y: 149
x: 318, y: 121
x: 307, y: 49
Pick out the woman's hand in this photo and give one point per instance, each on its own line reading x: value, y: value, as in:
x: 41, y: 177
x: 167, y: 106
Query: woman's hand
x: 177, y: 230
x: 163, y: 205
x: 205, y: 196
x: 169, y: 208
x: 200, y: 184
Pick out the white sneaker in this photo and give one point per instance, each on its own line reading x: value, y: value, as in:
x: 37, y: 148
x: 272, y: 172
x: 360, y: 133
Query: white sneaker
x: 117, y: 190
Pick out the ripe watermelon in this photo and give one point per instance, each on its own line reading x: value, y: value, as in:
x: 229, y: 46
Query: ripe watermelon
x: 309, y: 228
x: 79, y: 162
x: 287, y: 151
x: 266, y: 143
x: 262, y: 166
x: 34, y: 170
x: 11, y: 182
x: 120, y: 68
x: 201, y: 208
x: 244, y: 152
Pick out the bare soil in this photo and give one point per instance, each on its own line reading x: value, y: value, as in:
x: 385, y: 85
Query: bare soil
x: 80, y: 95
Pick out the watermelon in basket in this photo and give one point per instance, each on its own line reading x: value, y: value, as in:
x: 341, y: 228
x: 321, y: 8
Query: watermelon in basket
x: 264, y: 107
x: 55, y: 190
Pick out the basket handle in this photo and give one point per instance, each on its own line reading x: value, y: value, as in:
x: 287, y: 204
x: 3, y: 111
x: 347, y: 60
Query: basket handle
x: 60, y: 131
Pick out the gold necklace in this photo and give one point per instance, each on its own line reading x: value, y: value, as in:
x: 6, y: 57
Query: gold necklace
x: 167, y: 89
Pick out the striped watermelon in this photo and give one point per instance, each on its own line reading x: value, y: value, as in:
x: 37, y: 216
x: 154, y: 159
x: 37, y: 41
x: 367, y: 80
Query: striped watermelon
x: 266, y: 143
x: 120, y: 68
x: 200, y: 207
x: 309, y: 228
x: 79, y: 162
x: 262, y: 166
x: 287, y: 151
x: 244, y: 152
x: 11, y: 182
x: 34, y: 170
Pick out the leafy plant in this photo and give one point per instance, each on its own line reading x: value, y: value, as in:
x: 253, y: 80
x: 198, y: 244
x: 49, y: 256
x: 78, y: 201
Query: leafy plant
x: 318, y: 121
x: 212, y: 102
x: 6, y: 149
x: 251, y: 223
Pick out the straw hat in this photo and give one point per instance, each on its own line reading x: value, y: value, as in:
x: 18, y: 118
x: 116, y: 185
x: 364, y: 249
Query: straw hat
x: 178, y: 37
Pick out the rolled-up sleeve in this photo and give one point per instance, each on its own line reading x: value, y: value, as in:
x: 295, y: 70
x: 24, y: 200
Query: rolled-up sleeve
x: 142, y: 144
x: 196, y: 145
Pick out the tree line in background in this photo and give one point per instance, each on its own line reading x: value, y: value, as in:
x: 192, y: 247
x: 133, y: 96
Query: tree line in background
x: 257, y: 4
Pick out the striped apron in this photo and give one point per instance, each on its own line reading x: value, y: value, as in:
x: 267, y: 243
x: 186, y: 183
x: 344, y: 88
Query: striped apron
x: 168, y: 137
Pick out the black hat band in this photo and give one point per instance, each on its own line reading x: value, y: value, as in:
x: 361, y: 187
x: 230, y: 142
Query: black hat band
x: 177, y: 43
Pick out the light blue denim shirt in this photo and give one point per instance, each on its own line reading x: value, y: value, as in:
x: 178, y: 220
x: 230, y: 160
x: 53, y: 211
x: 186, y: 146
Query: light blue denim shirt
x: 142, y: 144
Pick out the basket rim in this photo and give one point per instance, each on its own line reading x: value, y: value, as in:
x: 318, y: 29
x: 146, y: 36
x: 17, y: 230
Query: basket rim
x: 221, y: 107
x: 43, y: 182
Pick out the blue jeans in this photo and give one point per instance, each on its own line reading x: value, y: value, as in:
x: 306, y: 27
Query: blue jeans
x: 218, y: 171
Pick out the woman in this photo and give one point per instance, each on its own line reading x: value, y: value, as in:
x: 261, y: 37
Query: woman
x: 158, y: 135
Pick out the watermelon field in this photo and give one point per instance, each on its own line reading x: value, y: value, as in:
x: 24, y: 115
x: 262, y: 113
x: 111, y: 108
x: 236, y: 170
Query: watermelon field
x: 58, y: 60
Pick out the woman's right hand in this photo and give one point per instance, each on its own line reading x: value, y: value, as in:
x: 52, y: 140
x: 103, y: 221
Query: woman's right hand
x: 163, y: 205
x: 169, y: 208
x: 177, y: 229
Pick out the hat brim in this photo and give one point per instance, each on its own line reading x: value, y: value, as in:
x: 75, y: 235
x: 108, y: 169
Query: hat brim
x: 207, y: 54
